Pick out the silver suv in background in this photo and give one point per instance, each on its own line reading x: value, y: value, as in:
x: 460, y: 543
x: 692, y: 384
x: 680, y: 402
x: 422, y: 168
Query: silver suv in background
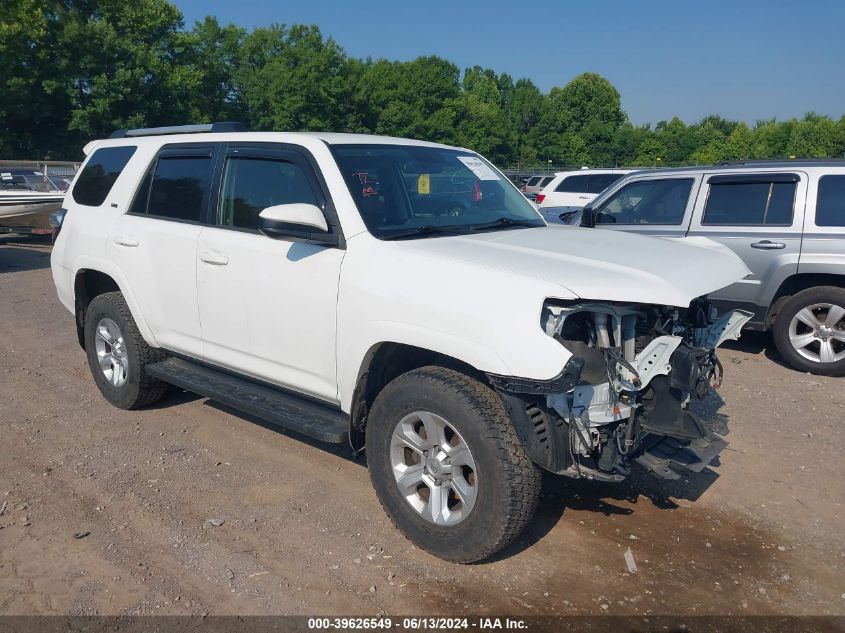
x: 535, y: 184
x: 786, y: 219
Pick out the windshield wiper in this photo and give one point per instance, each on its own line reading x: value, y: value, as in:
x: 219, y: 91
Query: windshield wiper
x: 504, y: 223
x: 421, y: 231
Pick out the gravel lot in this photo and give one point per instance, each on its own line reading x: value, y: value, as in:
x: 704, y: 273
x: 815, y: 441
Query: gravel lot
x: 299, y: 530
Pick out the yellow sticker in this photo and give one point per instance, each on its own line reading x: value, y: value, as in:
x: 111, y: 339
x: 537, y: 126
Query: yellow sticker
x: 424, y: 184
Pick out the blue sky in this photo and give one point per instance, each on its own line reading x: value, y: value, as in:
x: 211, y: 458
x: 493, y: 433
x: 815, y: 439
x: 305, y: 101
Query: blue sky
x: 744, y: 59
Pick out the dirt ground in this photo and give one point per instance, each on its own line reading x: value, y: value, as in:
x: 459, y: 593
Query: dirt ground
x: 300, y: 530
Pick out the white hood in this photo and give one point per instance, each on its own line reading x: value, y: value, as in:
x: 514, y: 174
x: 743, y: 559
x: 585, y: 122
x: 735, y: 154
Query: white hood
x: 599, y: 265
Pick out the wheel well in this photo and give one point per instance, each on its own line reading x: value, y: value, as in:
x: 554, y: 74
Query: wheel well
x: 795, y: 284
x: 382, y: 364
x: 87, y: 285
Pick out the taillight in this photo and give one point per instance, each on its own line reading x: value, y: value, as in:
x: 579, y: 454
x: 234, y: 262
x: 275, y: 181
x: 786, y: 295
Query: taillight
x: 476, y: 192
x: 539, y: 199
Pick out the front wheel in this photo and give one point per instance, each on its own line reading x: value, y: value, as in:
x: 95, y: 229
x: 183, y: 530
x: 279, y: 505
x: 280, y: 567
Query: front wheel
x: 447, y: 465
x: 809, y: 331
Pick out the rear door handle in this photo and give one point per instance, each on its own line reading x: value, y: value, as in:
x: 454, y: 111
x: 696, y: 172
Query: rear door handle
x: 768, y: 245
x: 214, y: 258
x: 125, y: 240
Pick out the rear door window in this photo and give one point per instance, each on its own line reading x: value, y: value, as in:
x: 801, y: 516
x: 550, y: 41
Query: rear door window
x: 647, y: 202
x: 573, y: 184
x: 177, y: 187
x: 100, y: 173
x: 830, y: 201
x: 757, y: 203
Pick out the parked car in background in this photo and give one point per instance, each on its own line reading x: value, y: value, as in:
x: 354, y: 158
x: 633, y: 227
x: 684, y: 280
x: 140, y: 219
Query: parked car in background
x: 569, y: 191
x: 785, y: 219
x: 535, y: 184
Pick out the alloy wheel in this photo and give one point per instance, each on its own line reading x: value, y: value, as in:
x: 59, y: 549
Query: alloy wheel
x: 434, y: 468
x: 111, y: 352
x: 817, y: 332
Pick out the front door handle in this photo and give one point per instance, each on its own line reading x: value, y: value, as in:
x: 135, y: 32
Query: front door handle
x: 125, y: 240
x: 768, y: 245
x: 214, y: 258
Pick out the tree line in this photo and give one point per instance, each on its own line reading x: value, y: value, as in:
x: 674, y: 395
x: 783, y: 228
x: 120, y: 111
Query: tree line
x: 75, y: 70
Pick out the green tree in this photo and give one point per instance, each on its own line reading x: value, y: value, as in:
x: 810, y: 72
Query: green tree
x: 678, y: 140
x: 588, y: 107
x: 28, y: 84
x: 77, y: 69
x: 769, y: 139
x: 738, y: 144
x: 291, y: 78
x: 709, y: 137
x: 81, y: 69
x: 651, y: 152
x: 812, y: 137
x: 407, y: 98
x: 214, y: 50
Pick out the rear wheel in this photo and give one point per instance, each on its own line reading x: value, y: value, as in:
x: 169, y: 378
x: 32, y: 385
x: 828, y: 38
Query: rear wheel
x: 447, y: 465
x: 809, y: 331
x: 118, y: 355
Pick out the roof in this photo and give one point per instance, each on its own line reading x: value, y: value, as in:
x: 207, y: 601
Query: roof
x: 597, y: 170
x: 750, y: 165
x: 331, y: 138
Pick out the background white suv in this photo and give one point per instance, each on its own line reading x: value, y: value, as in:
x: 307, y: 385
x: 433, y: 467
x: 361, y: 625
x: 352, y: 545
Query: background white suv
x: 571, y: 190
x: 399, y: 295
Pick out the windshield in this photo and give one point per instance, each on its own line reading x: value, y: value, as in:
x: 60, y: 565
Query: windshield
x: 410, y: 190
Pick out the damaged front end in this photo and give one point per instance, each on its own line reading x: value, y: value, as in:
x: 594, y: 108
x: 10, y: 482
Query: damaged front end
x: 623, y: 396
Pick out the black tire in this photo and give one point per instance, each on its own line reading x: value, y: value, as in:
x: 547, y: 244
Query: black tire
x: 508, y: 481
x: 805, y: 298
x: 139, y: 389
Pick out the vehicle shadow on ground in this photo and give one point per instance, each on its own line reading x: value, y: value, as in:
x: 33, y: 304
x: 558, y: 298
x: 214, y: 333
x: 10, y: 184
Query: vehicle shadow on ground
x: 340, y: 450
x: 756, y: 343
x: 562, y: 494
x: 14, y: 259
x: 559, y: 493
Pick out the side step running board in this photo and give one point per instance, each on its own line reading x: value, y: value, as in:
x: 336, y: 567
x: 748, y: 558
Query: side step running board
x: 289, y: 411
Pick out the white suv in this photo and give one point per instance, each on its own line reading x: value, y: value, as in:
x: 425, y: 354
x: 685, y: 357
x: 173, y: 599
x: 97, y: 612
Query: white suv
x: 572, y: 190
x: 399, y: 295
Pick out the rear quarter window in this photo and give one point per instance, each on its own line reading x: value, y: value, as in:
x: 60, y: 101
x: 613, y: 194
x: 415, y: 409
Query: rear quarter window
x: 830, y: 201
x: 100, y: 173
x: 600, y: 182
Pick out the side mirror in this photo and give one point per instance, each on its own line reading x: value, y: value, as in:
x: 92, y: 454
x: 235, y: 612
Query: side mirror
x: 297, y: 220
x: 588, y: 217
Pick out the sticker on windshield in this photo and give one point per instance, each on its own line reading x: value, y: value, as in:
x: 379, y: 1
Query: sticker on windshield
x: 479, y: 168
x: 424, y: 184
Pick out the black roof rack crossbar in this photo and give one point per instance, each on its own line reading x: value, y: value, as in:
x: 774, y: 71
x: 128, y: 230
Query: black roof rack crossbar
x: 220, y: 126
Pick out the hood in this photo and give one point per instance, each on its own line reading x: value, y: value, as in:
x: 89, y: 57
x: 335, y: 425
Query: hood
x: 597, y: 264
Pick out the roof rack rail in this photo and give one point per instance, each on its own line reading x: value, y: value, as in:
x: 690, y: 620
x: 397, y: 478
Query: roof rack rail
x: 197, y: 128
x: 772, y: 161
